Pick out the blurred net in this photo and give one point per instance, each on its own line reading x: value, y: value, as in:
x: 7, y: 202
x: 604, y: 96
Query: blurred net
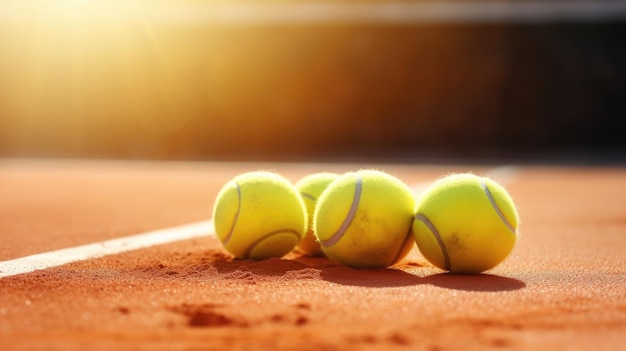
x: 269, y: 78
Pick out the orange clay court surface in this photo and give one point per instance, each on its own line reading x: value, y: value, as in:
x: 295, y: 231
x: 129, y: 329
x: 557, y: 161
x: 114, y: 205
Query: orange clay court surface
x: 563, y: 287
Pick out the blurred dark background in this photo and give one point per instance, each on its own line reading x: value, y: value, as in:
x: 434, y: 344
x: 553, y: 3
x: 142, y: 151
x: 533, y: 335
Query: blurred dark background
x: 80, y: 86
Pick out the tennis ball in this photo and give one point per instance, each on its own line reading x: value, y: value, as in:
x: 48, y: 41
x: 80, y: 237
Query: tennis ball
x: 311, y: 187
x: 363, y: 219
x: 465, y: 224
x: 258, y: 215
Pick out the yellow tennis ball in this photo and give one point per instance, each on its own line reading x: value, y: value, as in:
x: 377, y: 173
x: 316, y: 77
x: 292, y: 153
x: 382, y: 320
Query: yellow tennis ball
x: 258, y: 215
x: 311, y: 187
x: 363, y: 219
x: 465, y: 224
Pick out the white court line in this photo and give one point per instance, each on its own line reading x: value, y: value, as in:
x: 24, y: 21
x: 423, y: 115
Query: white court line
x: 502, y: 174
x: 104, y: 248
x: 57, y: 258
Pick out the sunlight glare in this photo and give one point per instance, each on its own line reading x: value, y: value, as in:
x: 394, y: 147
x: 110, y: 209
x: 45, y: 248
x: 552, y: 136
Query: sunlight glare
x: 74, y: 66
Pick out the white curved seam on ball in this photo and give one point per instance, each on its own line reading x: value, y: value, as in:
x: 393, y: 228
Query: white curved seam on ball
x: 346, y: 222
x: 421, y: 217
x: 309, y: 196
x: 261, y: 239
x: 232, y: 228
x: 495, y: 206
x: 409, y: 234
